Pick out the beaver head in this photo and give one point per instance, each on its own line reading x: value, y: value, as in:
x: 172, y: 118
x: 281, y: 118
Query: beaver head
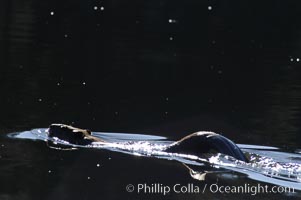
x: 71, y: 134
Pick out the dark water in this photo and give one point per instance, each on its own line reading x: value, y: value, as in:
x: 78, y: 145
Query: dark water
x: 164, y: 68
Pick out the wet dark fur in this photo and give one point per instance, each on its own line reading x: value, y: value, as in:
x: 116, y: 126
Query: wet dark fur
x: 207, y: 142
x: 71, y: 134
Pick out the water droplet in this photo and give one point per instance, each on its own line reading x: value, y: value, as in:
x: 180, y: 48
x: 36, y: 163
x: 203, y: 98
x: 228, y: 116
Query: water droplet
x: 209, y: 7
x: 98, y: 165
x: 51, y: 13
x: 95, y: 8
x: 84, y: 83
x: 102, y: 8
x: 297, y: 59
x: 171, y: 21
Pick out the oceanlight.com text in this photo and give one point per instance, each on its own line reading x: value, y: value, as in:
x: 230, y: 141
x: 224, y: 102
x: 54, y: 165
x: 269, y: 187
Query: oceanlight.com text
x: 190, y: 188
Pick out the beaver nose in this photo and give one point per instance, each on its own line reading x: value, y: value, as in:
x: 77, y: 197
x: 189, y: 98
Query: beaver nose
x: 54, y: 129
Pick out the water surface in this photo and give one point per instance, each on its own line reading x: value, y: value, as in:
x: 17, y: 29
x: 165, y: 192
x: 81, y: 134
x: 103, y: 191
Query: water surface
x: 267, y: 164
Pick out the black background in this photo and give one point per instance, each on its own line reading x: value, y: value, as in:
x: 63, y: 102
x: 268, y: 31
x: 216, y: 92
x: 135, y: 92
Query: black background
x: 231, y: 68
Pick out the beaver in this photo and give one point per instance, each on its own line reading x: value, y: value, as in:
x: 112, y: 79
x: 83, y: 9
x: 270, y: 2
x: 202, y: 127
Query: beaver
x: 72, y: 135
x: 194, y: 144
x: 207, y: 142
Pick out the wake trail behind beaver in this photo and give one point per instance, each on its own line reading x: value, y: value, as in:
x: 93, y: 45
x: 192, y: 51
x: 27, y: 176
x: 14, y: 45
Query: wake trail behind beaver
x: 267, y: 164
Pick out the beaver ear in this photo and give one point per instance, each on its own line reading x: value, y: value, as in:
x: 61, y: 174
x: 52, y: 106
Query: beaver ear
x: 88, y: 131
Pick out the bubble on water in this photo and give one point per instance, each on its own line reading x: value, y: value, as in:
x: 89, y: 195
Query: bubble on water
x: 172, y: 21
x: 296, y: 59
x: 209, y: 7
x: 51, y: 13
